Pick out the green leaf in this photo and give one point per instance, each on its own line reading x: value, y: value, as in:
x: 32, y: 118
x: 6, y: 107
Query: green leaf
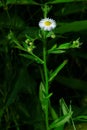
x: 64, y: 106
x: 64, y: 46
x: 52, y: 48
x: 73, y: 8
x: 72, y: 27
x: 1, y: 4
x: 33, y: 57
x: 23, y: 81
x: 21, y: 2
x: 42, y: 92
x: 63, y: 1
x: 54, y: 117
x: 56, y: 71
x: 61, y: 121
x: 81, y: 118
x: 53, y: 113
x: 42, y: 95
x: 12, y: 39
x: 55, y: 50
x: 16, y: 22
x: 72, y: 83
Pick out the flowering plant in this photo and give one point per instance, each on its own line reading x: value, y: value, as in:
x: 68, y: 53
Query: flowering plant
x: 47, y: 26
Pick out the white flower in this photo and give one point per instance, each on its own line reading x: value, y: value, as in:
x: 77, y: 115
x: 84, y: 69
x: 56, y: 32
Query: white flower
x: 47, y: 24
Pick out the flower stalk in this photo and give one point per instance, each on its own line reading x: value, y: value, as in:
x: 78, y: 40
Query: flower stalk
x: 46, y: 84
x: 46, y: 25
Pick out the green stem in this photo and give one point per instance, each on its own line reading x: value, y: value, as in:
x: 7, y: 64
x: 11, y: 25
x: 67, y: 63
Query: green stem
x: 46, y: 81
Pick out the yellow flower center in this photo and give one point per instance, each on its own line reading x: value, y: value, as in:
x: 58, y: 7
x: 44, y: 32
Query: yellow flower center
x: 47, y: 23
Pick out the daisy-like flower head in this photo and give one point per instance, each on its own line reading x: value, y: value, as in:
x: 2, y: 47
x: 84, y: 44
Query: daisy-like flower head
x: 47, y: 24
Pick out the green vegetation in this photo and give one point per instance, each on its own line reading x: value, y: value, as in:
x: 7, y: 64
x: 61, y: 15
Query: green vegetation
x: 43, y: 71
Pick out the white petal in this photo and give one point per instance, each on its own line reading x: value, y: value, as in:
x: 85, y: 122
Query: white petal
x: 42, y: 24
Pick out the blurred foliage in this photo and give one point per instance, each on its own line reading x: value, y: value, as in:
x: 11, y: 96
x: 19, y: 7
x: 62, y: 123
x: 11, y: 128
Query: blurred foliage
x: 20, y: 77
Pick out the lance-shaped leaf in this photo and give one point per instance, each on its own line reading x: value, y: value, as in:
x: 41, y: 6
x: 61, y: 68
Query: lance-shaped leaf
x: 33, y: 57
x: 72, y: 83
x: 21, y: 2
x: 56, y: 71
x: 66, y: 110
x: 64, y: 46
x: 54, y: 117
x: 81, y: 118
x: 64, y: 106
x: 42, y: 96
x: 53, y: 113
x: 63, y: 1
x: 55, y: 50
x: 76, y: 26
x: 61, y: 121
